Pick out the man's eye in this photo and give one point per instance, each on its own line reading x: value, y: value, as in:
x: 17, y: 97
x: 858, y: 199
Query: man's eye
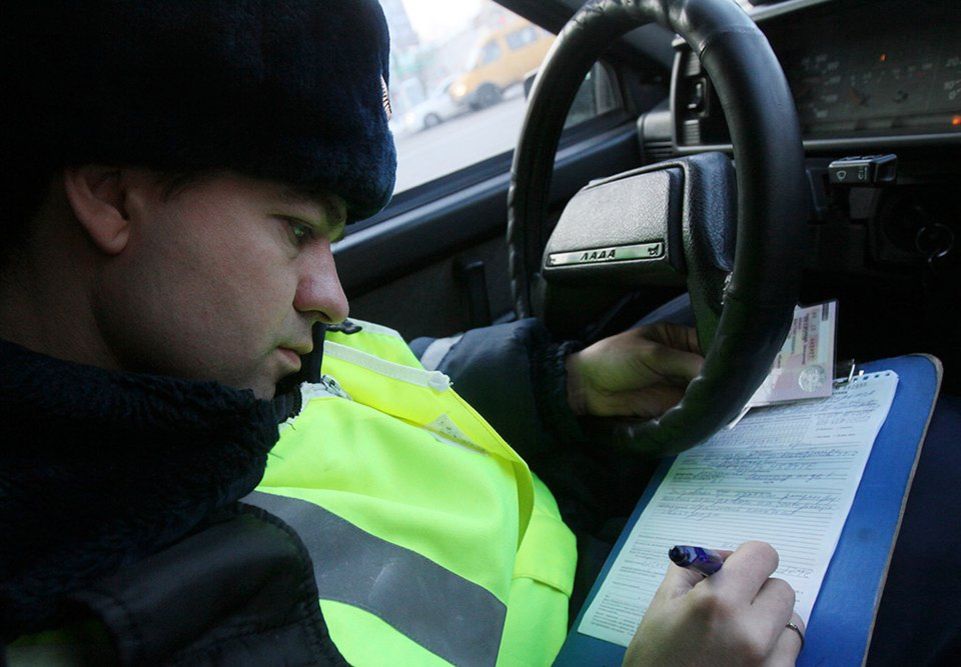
x: 300, y: 232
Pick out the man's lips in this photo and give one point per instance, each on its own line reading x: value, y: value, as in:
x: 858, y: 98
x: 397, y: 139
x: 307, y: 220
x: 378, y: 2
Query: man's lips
x: 292, y: 355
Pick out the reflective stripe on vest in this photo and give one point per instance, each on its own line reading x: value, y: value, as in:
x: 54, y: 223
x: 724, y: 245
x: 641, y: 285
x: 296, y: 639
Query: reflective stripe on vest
x: 446, y: 614
x: 414, y: 510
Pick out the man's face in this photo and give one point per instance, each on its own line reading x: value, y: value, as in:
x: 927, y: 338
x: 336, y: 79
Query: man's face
x: 223, y: 281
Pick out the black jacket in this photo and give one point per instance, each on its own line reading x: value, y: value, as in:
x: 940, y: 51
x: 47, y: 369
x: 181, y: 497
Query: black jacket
x: 118, y: 503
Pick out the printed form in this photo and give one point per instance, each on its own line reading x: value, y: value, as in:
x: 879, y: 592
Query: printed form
x: 786, y: 474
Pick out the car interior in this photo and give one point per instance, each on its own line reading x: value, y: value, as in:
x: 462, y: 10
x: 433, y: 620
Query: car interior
x: 751, y: 155
x: 860, y: 207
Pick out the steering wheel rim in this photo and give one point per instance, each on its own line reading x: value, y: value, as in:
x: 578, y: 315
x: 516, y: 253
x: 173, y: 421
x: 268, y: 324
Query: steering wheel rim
x: 760, y: 296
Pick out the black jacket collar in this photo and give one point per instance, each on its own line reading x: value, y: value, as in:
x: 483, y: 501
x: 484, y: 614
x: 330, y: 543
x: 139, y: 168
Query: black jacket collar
x: 99, y: 469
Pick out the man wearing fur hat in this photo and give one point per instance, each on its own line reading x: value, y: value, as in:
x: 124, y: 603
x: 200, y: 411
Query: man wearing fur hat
x: 175, y: 173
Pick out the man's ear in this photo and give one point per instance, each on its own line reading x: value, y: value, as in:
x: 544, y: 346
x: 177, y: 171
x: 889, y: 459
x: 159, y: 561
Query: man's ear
x: 97, y: 197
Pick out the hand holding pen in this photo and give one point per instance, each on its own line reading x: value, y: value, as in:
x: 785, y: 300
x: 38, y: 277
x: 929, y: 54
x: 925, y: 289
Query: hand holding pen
x: 699, y: 559
x: 737, y: 615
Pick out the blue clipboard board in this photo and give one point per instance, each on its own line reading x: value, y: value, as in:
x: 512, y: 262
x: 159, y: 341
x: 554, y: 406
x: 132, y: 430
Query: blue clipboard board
x: 842, y: 620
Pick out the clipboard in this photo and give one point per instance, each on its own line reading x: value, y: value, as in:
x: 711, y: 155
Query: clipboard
x: 842, y: 620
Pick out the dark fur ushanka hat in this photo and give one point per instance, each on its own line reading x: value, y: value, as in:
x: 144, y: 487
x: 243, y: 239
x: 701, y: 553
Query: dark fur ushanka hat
x: 286, y: 90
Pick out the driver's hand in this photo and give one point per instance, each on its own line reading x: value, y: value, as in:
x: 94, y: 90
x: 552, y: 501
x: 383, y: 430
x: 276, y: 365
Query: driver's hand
x: 737, y: 616
x: 638, y: 373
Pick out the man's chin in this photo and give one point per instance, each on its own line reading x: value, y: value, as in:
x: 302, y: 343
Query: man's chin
x: 286, y: 385
x: 264, y: 388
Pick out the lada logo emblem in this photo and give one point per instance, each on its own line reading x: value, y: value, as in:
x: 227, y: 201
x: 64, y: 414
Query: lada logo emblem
x: 637, y: 251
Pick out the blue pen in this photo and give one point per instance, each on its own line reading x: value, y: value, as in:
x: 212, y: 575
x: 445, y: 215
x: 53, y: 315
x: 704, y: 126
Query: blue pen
x: 699, y: 559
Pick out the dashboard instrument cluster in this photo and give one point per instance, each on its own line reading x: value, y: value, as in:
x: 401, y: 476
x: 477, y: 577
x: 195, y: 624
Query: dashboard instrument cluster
x: 858, y: 69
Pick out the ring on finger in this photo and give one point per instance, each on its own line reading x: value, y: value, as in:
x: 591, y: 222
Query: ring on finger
x: 793, y: 626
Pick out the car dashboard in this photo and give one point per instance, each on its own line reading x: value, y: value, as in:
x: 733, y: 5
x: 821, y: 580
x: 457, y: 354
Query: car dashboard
x: 863, y: 72
x: 876, y: 83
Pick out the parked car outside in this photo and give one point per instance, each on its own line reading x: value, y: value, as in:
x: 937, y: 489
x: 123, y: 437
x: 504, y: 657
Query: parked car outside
x: 437, y: 108
x: 500, y: 60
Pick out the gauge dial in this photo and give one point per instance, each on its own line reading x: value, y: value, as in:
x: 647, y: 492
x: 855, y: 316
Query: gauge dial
x: 817, y: 86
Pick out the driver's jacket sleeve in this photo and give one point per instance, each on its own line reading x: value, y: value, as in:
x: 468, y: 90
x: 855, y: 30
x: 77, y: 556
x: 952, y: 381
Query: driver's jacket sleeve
x: 432, y: 543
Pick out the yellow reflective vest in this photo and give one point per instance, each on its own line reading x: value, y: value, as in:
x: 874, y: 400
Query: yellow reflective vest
x: 432, y: 542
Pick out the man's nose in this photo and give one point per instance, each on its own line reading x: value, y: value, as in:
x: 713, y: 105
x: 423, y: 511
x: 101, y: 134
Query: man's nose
x: 319, y: 292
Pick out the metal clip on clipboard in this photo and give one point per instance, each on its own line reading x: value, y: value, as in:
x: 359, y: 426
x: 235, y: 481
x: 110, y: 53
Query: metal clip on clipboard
x: 847, y: 372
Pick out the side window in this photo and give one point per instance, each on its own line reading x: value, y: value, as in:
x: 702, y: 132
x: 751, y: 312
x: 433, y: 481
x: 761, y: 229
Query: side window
x: 490, y: 53
x: 518, y: 39
x: 458, y: 97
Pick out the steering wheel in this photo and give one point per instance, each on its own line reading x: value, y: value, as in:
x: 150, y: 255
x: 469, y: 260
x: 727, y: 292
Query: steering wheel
x: 681, y: 218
